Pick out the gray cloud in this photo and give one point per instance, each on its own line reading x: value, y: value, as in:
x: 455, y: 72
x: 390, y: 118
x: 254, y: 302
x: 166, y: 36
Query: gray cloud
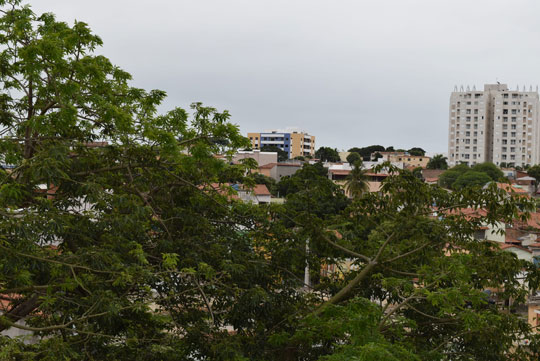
x: 353, y: 73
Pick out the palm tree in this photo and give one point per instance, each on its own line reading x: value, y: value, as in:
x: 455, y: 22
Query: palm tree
x: 357, y: 181
x: 437, y: 162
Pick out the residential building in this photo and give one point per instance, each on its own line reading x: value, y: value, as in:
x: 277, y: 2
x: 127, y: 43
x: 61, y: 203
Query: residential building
x: 279, y: 170
x: 262, y: 158
x: 405, y: 158
x: 294, y: 142
x: 494, y: 125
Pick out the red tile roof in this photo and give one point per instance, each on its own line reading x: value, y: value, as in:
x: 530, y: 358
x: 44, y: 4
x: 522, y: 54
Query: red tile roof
x: 509, y: 245
x: 261, y: 190
x: 510, y: 188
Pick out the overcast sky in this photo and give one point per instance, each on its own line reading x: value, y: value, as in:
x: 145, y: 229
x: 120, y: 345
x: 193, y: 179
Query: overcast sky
x: 352, y: 73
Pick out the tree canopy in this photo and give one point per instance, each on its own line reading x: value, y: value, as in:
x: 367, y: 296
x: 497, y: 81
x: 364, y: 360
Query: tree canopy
x: 449, y: 177
x: 327, y: 154
x: 365, y: 152
x: 357, y: 181
x: 353, y: 158
x: 471, y: 178
x: 416, y: 151
x: 438, y: 161
x: 120, y: 240
x: 534, y: 172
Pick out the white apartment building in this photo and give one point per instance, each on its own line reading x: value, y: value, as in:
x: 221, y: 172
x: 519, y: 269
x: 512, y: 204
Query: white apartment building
x: 495, y: 125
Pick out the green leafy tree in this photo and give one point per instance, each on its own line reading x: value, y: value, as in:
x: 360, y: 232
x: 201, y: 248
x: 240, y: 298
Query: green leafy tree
x: 470, y: 179
x: 357, y: 181
x: 132, y: 250
x: 416, y: 151
x: 353, y: 158
x: 490, y: 169
x: 327, y: 154
x: 366, y: 152
x: 534, y: 172
x: 437, y: 162
x: 282, y: 155
x: 447, y: 178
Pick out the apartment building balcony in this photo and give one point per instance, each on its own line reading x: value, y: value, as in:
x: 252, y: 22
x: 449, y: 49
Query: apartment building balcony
x: 273, y: 142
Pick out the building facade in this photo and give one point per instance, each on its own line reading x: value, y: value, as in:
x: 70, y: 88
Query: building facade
x: 406, y: 158
x: 295, y: 143
x: 494, y: 125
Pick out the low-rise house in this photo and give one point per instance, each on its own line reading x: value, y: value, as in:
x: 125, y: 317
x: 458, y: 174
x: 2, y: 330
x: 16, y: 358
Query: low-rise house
x: 279, y: 170
x: 404, y: 157
x: 431, y: 176
x: 338, y: 173
x: 527, y: 183
x: 262, y: 158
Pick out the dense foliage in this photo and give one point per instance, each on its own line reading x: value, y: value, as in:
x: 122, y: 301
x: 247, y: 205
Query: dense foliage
x: 327, y: 154
x: 366, y: 152
x: 437, y: 162
x: 480, y: 174
x: 135, y: 250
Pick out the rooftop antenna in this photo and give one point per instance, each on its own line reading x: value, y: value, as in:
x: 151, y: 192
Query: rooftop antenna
x: 524, y: 88
x: 468, y: 88
x: 474, y: 87
x: 455, y: 88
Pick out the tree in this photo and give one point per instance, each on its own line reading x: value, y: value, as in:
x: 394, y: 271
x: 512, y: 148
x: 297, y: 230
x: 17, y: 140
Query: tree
x: 534, y: 172
x: 367, y: 151
x: 357, y: 181
x: 282, y: 155
x: 377, y: 156
x: 353, y: 158
x: 132, y: 250
x: 416, y: 151
x: 447, y: 178
x: 389, y: 149
x: 437, y: 162
x: 327, y: 154
x: 470, y: 179
x: 490, y: 169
